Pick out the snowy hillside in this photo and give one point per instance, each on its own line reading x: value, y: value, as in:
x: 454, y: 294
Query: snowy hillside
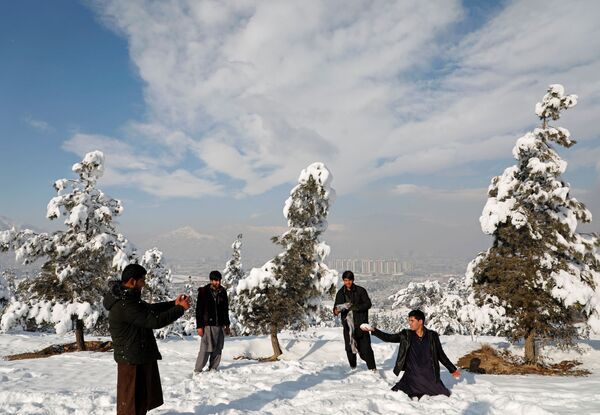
x: 312, y: 378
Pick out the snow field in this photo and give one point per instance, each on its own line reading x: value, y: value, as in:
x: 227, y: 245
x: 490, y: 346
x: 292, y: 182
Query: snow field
x: 313, y: 377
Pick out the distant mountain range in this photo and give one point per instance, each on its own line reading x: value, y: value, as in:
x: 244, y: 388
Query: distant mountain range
x: 185, y: 249
x: 187, y: 244
x: 7, y: 223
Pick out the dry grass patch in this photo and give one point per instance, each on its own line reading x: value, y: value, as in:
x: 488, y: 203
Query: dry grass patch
x: 55, y: 349
x: 494, y: 362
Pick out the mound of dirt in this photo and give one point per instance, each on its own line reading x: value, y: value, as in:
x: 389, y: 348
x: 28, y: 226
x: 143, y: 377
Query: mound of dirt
x: 493, y: 362
x: 90, y: 346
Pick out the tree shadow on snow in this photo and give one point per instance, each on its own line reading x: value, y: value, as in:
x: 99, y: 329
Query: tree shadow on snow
x: 316, y: 346
x: 281, y: 391
x: 478, y: 408
x: 239, y: 363
x: 290, y: 344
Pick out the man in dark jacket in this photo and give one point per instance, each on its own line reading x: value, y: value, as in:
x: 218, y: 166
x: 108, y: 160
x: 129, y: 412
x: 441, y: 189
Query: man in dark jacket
x: 353, y: 303
x: 212, y: 322
x: 130, y: 321
x: 419, y: 355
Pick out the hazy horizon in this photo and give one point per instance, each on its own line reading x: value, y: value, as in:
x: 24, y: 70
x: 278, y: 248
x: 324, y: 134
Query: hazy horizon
x: 206, y: 112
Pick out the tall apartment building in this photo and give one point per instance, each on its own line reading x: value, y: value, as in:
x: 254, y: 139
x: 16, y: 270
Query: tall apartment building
x: 371, y: 266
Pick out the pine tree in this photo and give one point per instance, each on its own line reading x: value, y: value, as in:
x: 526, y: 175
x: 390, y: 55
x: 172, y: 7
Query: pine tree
x: 232, y: 274
x: 7, y: 288
x: 449, y: 308
x: 284, y: 291
x: 158, y: 277
x: 539, y: 266
x: 79, y: 259
x: 233, y: 271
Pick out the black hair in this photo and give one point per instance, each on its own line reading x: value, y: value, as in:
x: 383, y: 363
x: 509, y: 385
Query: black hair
x: 215, y: 275
x: 135, y: 271
x: 418, y: 314
x: 348, y: 275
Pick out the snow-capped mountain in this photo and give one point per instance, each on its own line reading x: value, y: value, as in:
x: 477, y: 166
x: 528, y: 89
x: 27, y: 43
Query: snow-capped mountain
x: 188, y: 244
x: 8, y: 223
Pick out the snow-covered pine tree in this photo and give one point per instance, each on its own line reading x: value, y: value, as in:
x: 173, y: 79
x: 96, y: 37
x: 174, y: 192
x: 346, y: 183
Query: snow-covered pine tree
x: 439, y: 302
x: 449, y: 308
x: 232, y: 274
x: 186, y: 325
x: 233, y: 271
x: 544, y: 271
x: 286, y: 289
x: 7, y: 288
x: 79, y: 259
x: 158, y: 277
x: 188, y: 322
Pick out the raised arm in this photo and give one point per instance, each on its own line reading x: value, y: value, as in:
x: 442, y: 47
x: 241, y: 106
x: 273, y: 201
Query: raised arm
x: 160, y: 307
x: 143, y: 316
x: 387, y: 337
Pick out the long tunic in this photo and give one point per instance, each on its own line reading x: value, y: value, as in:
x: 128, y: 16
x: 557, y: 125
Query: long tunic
x: 419, y: 376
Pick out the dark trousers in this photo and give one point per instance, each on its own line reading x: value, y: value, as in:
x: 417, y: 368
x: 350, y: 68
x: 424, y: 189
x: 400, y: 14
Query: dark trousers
x: 363, y: 344
x: 138, y: 388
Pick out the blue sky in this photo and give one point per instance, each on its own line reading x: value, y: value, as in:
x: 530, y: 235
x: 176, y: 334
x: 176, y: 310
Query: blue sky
x: 207, y: 111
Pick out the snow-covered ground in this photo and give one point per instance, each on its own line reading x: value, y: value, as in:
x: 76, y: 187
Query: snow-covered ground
x: 313, y: 377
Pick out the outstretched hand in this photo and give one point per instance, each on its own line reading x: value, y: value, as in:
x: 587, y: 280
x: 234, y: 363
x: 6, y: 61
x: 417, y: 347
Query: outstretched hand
x: 183, y: 300
x: 367, y: 327
x: 456, y: 374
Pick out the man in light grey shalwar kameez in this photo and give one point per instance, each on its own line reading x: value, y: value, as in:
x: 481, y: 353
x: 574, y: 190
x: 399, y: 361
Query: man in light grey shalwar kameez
x: 212, y: 322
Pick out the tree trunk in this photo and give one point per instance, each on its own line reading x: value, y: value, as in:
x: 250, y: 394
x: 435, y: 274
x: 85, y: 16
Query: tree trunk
x: 531, y: 356
x: 79, y: 334
x: 275, y: 342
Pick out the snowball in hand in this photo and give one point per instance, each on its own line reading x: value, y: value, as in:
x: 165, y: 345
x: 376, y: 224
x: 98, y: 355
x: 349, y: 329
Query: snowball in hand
x: 366, y: 327
x: 344, y: 306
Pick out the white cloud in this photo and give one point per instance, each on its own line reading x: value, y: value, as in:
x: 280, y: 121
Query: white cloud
x: 255, y: 91
x: 39, y: 125
x: 126, y: 166
x: 407, y: 189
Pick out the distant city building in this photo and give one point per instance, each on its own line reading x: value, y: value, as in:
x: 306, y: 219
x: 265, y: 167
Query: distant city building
x: 371, y: 266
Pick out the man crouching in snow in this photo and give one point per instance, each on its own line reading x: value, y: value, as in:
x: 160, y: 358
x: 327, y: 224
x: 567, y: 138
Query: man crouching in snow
x: 130, y: 321
x: 419, y: 355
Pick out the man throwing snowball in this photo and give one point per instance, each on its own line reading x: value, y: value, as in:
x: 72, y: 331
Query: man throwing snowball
x: 131, y: 321
x: 419, y: 355
x: 353, y: 303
